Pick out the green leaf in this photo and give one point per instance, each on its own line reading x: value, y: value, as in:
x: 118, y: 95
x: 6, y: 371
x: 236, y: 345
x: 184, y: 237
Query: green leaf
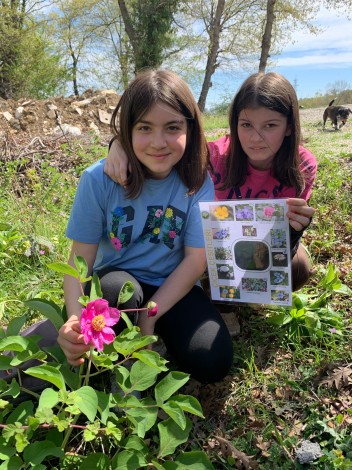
x: 20, y: 414
x: 81, y: 266
x: 169, y: 385
x: 340, y: 288
x: 5, y: 362
x: 64, y: 268
x: 143, y: 416
x: 126, y: 319
x: 71, y: 378
x: 174, y: 411
x: 36, y: 452
x: 14, y: 343
x: 130, y: 341
x: 171, y: 436
x: 97, y: 460
x: 319, y: 302
x: 6, y: 450
x: 13, y: 389
x: 89, y: 435
x: 330, y: 275
x: 15, y: 325
x: 125, y: 293
x: 135, y: 443
x: 189, y: 404
x: 299, y: 300
x: 14, y: 463
x: 279, y: 318
x: 112, y: 430
x: 49, y: 309
x: 83, y: 300
x: 87, y: 401
x: 195, y: 460
x: 95, y: 290
x: 49, y: 373
x: 152, y: 359
x: 127, y: 460
x: 31, y: 353
x: 142, y: 376
x: 48, y: 399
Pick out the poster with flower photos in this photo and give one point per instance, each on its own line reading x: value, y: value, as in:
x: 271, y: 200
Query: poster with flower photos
x: 248, y: 250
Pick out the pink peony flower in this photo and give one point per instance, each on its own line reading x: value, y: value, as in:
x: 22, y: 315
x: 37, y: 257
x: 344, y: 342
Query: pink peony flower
x: 268, y: 211
x: 117, y: 243
x: 152, y: 309
x: 96, y: 320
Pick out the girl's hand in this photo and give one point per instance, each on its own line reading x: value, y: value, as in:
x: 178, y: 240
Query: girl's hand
x: 299, y: 213
x: 147, y: 326
x: 71, y: 341
x: 116, y: 164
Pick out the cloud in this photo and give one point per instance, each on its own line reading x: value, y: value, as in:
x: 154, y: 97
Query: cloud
x: 317, y: 60
x: 332, y: 47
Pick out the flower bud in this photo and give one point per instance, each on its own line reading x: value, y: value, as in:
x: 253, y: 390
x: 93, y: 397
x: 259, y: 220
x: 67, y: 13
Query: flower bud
x: 152, y: 308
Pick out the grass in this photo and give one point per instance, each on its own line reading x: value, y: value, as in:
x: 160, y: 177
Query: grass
x: 275, y: 395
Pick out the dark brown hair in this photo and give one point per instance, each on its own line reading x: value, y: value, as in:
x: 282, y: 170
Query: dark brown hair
x: 270, y: 90
x: 148, y: 88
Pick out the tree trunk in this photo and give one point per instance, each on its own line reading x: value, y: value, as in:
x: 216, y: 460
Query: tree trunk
x: 266, y: 41
x: 213, y: 52
x: 132, y: 36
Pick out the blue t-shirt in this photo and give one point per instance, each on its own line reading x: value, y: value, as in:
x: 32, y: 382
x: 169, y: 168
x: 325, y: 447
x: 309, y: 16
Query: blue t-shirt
x: 145, y: 236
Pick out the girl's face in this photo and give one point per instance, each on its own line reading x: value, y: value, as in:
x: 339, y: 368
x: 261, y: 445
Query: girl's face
x: 159, y: 139
x: 261, y: 132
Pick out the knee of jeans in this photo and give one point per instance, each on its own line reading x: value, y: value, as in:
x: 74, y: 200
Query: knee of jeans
x: 111, y: 285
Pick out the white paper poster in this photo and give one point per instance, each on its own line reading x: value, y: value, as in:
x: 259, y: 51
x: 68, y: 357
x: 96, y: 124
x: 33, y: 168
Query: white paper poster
x: 248, y: 250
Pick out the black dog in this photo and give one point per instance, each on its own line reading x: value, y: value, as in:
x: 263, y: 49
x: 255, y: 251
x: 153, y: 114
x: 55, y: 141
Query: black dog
x: 336, y: 114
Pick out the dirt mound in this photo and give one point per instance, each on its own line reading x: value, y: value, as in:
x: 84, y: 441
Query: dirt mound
x: 90, y: 112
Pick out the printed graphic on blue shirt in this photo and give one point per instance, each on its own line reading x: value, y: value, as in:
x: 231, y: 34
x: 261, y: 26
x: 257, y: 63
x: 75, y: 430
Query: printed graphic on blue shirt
x: 160, y: 226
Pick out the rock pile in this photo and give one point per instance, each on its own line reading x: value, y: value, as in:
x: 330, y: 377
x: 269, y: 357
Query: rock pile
x: 90, y: 112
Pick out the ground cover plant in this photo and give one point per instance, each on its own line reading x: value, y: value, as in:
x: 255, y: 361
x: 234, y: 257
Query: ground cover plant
x: 291, y: 380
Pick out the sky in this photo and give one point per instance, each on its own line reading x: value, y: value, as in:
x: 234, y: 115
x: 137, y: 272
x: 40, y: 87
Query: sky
x: 311, y: 62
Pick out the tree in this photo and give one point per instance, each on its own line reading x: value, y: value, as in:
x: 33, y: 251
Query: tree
x: 12, y: 28
x: 266, y: 42
x: 231, y: 31
x: 73, y: 25
x: 237, y: 30
x: 25, y: 54
x: 148, y: 27
x: 213, y: 48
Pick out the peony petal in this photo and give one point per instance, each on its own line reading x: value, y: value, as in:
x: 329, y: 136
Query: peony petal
x: 98, y: 342
x: 101, y: 305
x: 108, y: 337
x: 113, y: 318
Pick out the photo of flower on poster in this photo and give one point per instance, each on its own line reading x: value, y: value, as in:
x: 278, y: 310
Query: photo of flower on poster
x: 221, y: 213
x: 269, y: 212
x: 225, y: 271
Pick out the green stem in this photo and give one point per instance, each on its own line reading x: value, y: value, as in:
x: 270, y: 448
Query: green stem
x: 69, y: 431
x: 86, y: 380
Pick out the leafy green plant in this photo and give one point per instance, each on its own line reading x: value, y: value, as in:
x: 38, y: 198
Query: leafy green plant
x: 77, y: 421
x: 12, y: 243
x: 312, y: 315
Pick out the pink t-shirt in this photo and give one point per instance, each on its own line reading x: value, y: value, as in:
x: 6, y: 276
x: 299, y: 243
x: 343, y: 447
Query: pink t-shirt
x: 259, y: 184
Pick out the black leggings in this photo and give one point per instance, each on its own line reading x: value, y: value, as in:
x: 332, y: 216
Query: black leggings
x: 193, y: 330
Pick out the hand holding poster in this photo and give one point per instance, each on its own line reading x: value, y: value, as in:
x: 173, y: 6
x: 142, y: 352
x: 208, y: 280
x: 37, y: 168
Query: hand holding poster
x: 248, y: 250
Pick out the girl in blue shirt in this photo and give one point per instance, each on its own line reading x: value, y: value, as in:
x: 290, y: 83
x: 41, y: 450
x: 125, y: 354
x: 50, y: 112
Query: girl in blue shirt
x: 149, y: 231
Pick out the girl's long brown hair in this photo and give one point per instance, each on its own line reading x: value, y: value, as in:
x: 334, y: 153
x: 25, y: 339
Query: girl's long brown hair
x: 161, y: 86
x: 270, y: 90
